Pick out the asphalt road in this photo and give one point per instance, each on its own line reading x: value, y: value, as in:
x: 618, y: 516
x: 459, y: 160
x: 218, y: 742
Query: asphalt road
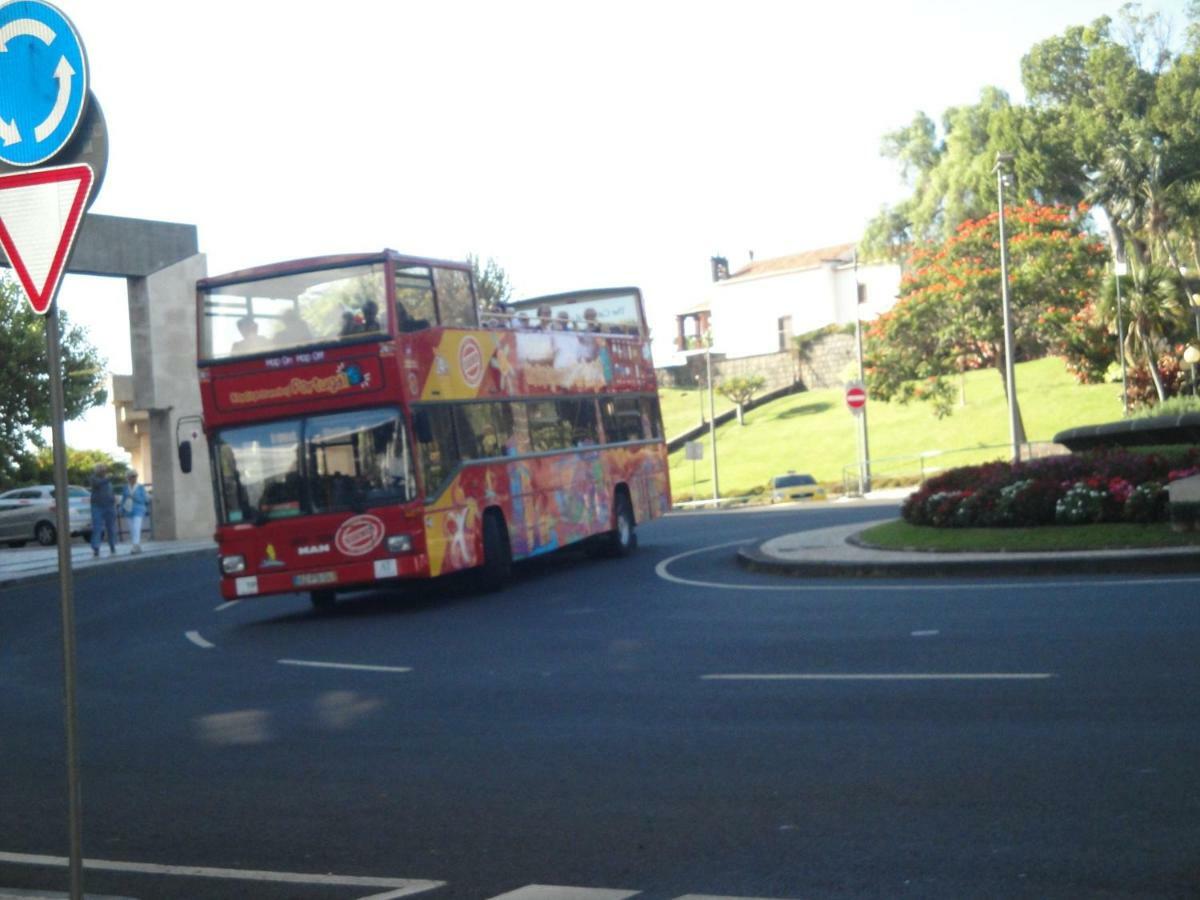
x: 607, y: 724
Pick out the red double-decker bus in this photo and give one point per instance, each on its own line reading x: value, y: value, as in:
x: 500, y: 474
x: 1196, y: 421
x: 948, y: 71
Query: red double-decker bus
x: 366, y: 427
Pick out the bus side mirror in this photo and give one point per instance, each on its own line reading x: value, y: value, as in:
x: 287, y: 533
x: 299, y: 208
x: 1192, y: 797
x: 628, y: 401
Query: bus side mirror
x: 422, y: 427
x: 185, y: 457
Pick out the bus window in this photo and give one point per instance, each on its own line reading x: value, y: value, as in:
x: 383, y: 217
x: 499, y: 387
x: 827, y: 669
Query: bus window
x: 414, y: 299
x: 440, y: 456
x: 547, y: 431
x: 455, y: 301
x: 358, y: 459
x: 623, y: 419
x: 652, y: 416
x: 289, y: 312
x: 485, y: 430
x: 580, y: 416
x: 260, y: 472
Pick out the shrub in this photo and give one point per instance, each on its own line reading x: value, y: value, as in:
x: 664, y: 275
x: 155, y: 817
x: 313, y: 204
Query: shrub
x: 1146, y: 503
x: 1081, y: 505
x: 1101, y: 486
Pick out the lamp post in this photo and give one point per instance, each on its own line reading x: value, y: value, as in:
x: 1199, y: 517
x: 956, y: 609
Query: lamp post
x: 1191, y: 356
x: 1010, y: 383
x: 864, y: 462
x: 712, y: 418
x: 1118, y: 271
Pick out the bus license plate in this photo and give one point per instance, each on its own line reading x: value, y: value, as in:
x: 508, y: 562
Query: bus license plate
x: 308, y: 579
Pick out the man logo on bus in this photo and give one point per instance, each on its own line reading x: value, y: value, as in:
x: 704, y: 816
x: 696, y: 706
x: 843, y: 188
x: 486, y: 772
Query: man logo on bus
x: 359, y: 535
x: 470, y: 362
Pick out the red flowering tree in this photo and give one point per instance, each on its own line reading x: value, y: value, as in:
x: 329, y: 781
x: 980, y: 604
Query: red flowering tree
x: 949, y: 318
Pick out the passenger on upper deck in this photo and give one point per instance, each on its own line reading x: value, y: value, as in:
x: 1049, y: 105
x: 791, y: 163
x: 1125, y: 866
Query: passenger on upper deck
x: 406, y: 322
x: 544, y: 317
x: 252, y: 341
x: 292, y: 330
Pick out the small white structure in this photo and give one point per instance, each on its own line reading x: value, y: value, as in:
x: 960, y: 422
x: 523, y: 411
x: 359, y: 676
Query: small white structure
x: 761, y: 307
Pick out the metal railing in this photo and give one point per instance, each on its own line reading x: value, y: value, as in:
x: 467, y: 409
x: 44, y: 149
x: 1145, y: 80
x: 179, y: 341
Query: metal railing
x: 915, y: 469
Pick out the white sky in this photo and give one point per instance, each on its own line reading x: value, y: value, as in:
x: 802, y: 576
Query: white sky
x: 580, y: 145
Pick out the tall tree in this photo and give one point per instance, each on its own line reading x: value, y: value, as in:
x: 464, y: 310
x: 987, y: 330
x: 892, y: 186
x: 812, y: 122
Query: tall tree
x: 492, y: 287
x: 25, y: 373
x: 949, y: 317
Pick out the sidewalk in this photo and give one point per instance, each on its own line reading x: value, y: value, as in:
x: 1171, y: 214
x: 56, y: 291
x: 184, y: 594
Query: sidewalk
x: 832, y: 552
x: 24, y: 564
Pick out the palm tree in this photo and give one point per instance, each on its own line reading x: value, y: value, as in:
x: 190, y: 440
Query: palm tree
x: 1151, y: 304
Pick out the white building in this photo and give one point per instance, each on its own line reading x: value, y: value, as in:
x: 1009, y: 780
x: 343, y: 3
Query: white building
x: 759, y: 309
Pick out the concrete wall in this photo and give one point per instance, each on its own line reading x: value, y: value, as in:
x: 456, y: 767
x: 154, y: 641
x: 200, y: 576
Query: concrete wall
x: 162, y: 323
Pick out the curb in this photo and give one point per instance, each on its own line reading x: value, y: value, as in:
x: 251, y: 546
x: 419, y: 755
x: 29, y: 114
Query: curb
x: 1170, y: 561
x: 10, y: 580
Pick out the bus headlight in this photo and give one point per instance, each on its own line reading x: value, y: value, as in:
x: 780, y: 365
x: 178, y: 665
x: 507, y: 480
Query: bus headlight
x: 399, y: 543
x: 231, y: 565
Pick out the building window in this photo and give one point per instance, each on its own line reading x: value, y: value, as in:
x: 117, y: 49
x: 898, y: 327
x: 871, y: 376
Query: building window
x: 785, y: 333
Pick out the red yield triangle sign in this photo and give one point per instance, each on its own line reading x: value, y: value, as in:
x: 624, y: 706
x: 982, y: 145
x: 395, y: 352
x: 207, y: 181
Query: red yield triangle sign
x: 40, y: 214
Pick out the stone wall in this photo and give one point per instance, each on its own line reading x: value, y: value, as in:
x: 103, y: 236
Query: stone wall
x: 824, y: 368
x: 827, y: 361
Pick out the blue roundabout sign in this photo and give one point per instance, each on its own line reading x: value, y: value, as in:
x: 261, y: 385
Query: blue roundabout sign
x: 43, y: 82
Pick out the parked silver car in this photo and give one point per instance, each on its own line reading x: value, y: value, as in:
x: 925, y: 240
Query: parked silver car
x: 27, y: 514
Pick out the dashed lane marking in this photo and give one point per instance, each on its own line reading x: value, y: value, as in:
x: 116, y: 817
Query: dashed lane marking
x: 354, y: 667
x: 195, y: 638
x: 561, y: 892
x: 882, y: 676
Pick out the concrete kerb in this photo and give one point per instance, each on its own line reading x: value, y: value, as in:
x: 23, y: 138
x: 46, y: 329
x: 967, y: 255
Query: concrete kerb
x: 24, y: 566
x: 837, y: 552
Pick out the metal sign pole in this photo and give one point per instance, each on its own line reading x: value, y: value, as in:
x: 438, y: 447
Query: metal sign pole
x: 62, y: 505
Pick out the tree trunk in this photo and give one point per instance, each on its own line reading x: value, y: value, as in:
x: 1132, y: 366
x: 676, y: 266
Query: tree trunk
x: 741, y: 420
x: 1152, y: 364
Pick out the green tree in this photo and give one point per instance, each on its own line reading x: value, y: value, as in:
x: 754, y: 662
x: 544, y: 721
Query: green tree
x: 741, y: 390
x: 492, y: 287
x: 38, y: 467
x: 949, y: 318
x: 25, y: 372
x: 1153, y: 314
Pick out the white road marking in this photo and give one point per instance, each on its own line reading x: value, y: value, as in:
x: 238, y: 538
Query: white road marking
x: 884, y: 676
x: 560, y: 892
x: 932, y: 632
x: 923, y: 584
x: 194, y: 637
x: 399, y: 887
x: 224, y: 606
x: 354, y: 667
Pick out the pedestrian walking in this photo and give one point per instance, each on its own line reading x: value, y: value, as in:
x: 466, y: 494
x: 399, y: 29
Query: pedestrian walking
x: 104, y: 509
x: 134, y: 505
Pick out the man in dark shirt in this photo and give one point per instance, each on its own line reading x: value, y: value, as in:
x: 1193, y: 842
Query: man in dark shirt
x: 104, y: 509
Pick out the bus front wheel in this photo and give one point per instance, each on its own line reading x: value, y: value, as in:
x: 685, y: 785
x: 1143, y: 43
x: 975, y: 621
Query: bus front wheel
x: 497, y: 555
x: 323, y: 601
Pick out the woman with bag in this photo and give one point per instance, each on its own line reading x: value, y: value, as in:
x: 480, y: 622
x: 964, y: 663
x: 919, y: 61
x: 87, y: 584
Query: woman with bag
x: 134, y: 504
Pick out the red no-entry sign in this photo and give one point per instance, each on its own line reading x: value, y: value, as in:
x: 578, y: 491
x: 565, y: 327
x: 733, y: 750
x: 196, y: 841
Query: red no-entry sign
x: 856, y: 397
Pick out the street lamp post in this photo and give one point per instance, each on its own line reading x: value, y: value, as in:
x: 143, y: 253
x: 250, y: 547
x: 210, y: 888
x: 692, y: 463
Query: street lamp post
x: 1118, y: 271
x: 864, y: 462
x: 1010, y: 381
x: 712, y: 419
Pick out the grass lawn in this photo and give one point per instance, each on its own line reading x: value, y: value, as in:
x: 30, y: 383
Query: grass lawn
x: 813, y: 432
x: 900, y: 535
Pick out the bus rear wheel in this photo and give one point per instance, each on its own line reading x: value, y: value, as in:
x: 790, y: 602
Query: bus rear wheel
x: 497, y: 555
x: 622, y: 540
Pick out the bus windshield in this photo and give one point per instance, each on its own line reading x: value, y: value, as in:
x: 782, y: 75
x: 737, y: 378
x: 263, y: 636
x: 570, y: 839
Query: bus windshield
x: 318, y: 464
x: 290, y: 312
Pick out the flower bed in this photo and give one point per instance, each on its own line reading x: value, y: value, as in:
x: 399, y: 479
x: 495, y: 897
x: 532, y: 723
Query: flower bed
x: 1100, y: 486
